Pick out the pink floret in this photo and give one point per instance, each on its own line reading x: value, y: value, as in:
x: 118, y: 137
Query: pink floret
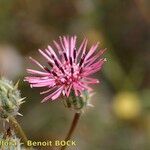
x: 69, y: 69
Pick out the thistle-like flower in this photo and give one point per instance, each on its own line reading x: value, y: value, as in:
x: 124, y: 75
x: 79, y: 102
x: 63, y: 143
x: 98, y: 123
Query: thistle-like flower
x: 68, y: 68
x: 10, y: 99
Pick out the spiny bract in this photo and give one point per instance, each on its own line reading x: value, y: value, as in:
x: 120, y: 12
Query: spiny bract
x: 10, y: 99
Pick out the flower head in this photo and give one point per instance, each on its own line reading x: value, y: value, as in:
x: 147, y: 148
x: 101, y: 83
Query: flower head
x: 68, y: 68
x: 12, y: 139
x: 10, y: 99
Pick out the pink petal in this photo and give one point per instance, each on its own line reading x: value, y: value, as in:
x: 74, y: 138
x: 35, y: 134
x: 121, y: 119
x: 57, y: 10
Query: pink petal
x: 43, y: 84
x: 58, y: 47
x: 62, y: 44
x: 91, y: 51
x: 31, y: 71
x: 69, y: 90
x: 49, y: 90
x: 90, y: 80
x: 45, y: 55
x: 75, y: 90
x: 54, y: 95
x: 52, y: 52
x: 80, y: 48
x: 90, y: 61
x: 84, y: 48
x: 36, y: 62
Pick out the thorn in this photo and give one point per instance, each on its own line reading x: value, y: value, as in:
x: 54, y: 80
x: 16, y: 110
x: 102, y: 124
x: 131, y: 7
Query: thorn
x: 17, y: 84
x: 21, y: 100
x: 105, y: 59
x: 7, y: 119
x: 90, y: 105
x: 19, y: 114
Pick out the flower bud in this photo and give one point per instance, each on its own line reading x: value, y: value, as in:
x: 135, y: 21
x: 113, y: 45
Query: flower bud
x: 10, y: 99
x: 78, y: 103
x: 10, y: 142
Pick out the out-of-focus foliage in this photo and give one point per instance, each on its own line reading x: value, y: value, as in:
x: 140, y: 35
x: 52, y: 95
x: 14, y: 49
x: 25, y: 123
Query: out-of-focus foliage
x: 120, y: 119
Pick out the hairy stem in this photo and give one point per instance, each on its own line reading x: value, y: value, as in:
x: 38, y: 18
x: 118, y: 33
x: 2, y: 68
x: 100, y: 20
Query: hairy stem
x: 72, y: 128
x: 19, y: 130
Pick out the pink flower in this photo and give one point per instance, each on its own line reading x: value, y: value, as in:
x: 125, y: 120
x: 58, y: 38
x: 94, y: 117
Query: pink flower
x: 67, y: 71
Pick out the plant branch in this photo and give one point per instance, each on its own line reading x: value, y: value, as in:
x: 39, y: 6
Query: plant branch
x: 19, y: 130
x: 72, y: 128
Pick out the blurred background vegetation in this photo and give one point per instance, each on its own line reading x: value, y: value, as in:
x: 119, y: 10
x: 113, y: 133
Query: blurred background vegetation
x: 120, y: 119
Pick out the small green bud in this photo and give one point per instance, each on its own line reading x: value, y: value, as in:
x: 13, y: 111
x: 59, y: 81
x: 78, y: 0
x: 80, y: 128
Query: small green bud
x: 78, y: 103
x: 10, y: 99
x: 10, y: 142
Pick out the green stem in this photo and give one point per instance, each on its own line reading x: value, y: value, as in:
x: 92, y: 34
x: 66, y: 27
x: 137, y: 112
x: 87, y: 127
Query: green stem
x: 72, y: 128
x: 19, y: 130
